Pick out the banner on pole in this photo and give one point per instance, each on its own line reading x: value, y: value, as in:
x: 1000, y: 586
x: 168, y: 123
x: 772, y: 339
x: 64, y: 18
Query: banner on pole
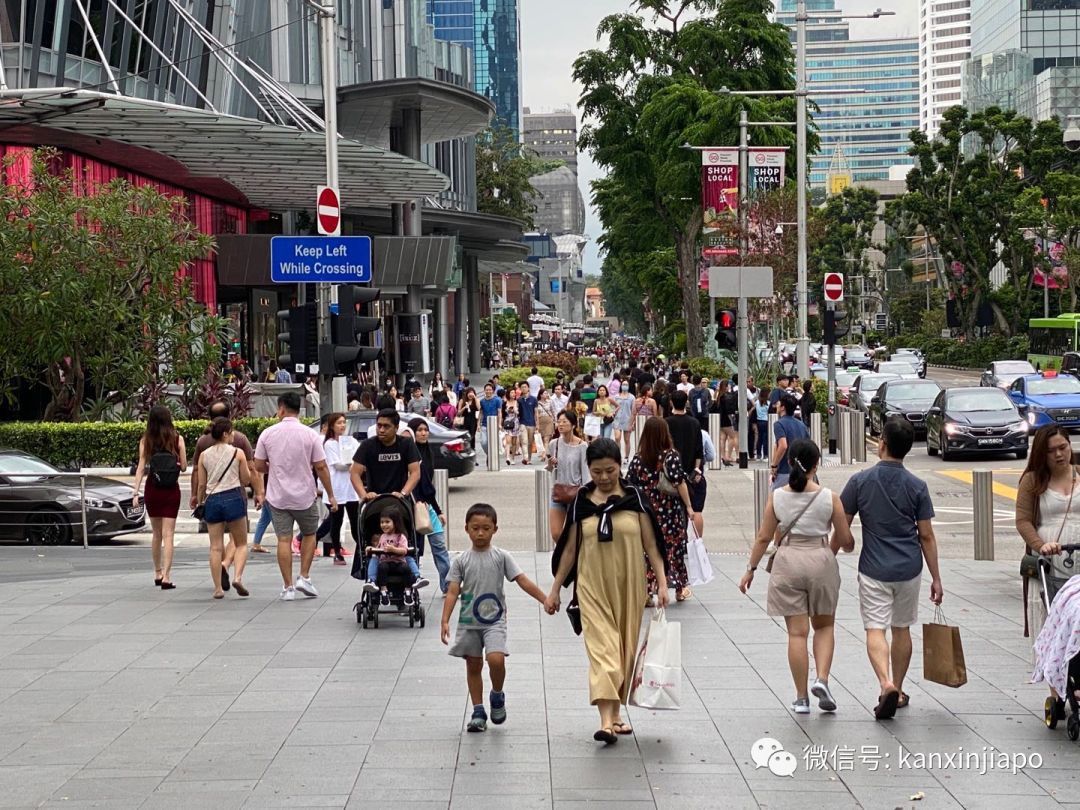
x: 766, y: 168
x: 720, y: 200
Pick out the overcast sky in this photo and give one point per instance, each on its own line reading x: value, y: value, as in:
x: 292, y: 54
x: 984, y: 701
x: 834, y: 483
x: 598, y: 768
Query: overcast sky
x: 554, y: 32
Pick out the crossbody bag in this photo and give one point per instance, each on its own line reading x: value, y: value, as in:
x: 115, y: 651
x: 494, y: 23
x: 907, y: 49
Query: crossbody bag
x: 563, y: 493
x: 786, y: 530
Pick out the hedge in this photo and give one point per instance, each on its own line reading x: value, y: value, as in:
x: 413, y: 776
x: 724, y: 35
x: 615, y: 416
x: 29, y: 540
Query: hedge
x: 513, y: 376
x: 587, y: 365
x: 74, y: 445
x: 977, y: 354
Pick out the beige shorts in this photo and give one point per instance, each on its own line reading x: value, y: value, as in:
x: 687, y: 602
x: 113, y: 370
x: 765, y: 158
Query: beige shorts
x: 889, y: 604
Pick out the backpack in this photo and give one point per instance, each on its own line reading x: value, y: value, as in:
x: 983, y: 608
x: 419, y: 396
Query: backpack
x: 445, y: 414
x: 164, y: 469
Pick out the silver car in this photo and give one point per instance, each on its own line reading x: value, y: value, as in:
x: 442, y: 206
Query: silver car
x: 1002, y: 373
x: 900, y: 368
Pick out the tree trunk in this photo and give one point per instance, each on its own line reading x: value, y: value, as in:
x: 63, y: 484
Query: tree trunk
x: 686, y: 252
x: 1002, y: 322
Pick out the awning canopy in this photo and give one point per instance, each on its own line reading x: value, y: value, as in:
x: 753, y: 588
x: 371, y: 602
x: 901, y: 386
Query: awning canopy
x: 369, y: 111
x: 238, y: 160
x: 505, y: 268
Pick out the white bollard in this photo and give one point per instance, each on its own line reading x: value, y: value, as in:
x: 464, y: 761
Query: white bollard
x: 773, y: 419
x: 494, y: 451
x: 762, y: 482
x: 858, y: 437
x: 982, y: 497
x: 815, y: 430
x: 542, y: 499
x: 845, y: 436
x: 717, y: 439
x: 442, y: 495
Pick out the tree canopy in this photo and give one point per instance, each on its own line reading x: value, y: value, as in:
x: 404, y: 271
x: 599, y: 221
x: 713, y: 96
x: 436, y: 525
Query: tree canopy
x: 503, y: 169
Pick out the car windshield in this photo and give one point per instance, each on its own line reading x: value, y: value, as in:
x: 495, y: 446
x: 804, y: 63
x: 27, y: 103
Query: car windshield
x: 1019, y: 367
x: 1053, y: 385
x: 32, y: 465
x: 914, y: 394
x: 895, y: 368
x: 845, y: 379
x: 870, y: 382
x: 980, y: 399
x: 910, y: 359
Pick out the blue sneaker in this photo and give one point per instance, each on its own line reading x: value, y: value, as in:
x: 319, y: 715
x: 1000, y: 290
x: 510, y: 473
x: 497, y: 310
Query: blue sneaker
x: 498, y: 708
x: 478, y: 721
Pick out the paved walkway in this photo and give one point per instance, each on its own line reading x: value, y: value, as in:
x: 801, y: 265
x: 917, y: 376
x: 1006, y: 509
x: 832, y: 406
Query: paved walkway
x: 115, y: 694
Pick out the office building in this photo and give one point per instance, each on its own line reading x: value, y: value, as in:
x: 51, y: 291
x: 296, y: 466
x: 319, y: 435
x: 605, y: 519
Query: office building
x: 944, y: 46
x: 492, y: 29
x: 560, y: 206
x: 865, y: 133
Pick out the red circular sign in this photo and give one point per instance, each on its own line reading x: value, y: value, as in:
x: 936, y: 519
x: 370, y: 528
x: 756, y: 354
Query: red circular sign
x: 329, y: 210
x: 834, y: 287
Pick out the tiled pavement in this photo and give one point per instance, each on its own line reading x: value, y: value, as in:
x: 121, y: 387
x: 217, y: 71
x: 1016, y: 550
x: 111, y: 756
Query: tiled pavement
x: 115, y: 694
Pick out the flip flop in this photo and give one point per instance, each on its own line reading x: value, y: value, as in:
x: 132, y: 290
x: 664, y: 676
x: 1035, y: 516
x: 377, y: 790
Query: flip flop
x: 239, y: 588
x: 606, y: 736
x: 260, y: 550
x: 902, y: 703
x: 886, y: 707
x: 622, y: 728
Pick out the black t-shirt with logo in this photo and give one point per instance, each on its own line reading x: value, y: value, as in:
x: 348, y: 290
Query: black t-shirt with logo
x: 386, y: 468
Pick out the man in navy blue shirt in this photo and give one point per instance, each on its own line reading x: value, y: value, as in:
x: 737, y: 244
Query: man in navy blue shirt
x: 490, y: 405
x: 895, y: 511
x: 527, y: 410
x: 786, y: 430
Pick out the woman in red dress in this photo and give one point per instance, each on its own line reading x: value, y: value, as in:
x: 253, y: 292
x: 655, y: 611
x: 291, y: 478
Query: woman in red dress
x: 162, y: 473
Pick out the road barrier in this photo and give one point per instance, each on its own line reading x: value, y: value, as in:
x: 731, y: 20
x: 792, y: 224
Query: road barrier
x: 815, y: 431
x: 982, y: 496
x: 716, y: 434
x: 542, y: 499
x: 762, y: 481
x: 442, y: 495
x: 494, y: 454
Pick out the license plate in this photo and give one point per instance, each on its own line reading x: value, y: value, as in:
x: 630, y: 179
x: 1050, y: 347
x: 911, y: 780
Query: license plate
x: 990, y: 442
x: 133, y: 512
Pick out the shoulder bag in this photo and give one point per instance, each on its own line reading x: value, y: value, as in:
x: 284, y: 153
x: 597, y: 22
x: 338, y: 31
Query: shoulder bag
x: 563, y: 493
x: 786, y: 530
x: 1029, y: 563
x: 200, y: 511
x: 664, y: 484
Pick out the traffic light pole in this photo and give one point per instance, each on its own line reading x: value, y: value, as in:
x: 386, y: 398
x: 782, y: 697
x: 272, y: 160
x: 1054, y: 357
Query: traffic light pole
x: 323, y: 290
x: 743, y: 325
x: 832, y: 379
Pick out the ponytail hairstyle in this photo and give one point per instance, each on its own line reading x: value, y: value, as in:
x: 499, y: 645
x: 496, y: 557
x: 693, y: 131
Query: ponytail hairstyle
x: 803, y: 456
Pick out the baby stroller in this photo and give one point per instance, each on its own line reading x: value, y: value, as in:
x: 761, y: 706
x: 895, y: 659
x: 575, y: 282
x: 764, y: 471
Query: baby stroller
x: 1054, y: 709
x: 399, y: 579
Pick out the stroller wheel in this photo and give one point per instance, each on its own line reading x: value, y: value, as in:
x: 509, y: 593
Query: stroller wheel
x: 375, y: 619
x: 1053, y: 710
x: 363, y: 620
x: 422, y: 614
x: 358, y: 609
x: 412, y: 620
x: 1073, y: 727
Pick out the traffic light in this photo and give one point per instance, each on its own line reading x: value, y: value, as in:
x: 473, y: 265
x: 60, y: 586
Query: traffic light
x: 836, y: 326
x: 297, y: 337
x: 725, y: 332
x: 347, y: 330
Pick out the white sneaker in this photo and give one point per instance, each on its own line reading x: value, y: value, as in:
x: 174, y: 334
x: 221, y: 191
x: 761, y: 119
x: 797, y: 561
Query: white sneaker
x: 303, y: 584
x: 801, y: 705
x: 288, y: 594
x: 371, y: 587
x: 421, y: 583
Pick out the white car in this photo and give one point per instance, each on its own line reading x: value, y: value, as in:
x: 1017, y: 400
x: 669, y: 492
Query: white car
x: 902, y: 369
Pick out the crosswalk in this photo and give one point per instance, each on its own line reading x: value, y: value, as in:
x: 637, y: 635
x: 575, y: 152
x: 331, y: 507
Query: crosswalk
x: 999, y: 487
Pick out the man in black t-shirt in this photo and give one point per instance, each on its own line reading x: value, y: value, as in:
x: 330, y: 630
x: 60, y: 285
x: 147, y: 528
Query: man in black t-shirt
x: 387, y: 462
x: 686, y: 436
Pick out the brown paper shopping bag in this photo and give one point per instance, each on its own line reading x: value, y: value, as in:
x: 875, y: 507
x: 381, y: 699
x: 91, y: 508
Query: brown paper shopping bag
x: 943, y: 654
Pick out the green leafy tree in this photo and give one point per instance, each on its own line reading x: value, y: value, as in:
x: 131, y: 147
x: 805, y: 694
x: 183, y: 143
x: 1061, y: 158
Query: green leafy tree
x: 507, y: 326
x: 844, y: 230
x: 503, y: 169
x: 92, y: 298
x: 653, y: 90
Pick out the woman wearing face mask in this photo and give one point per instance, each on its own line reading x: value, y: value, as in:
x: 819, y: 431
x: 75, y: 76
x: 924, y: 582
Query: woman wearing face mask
x: 425, y: 494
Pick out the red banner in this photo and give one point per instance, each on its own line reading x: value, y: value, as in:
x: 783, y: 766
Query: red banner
x: 720, y: 199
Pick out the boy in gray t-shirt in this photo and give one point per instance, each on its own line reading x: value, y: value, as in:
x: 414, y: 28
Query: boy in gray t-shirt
x: 477, y: 576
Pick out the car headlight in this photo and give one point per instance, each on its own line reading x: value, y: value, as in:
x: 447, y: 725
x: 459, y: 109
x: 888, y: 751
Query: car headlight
x: 954, y: 430
x: 1019, y: 427
x: 96, y: 503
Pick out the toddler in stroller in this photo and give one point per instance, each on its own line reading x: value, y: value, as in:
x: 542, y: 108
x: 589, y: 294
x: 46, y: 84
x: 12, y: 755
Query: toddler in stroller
x: 388, y: 563
x: 389, y: 560
x: 1057, y: 648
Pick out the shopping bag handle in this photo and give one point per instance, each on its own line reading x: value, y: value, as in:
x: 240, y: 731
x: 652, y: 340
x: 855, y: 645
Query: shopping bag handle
x: 939, y: 615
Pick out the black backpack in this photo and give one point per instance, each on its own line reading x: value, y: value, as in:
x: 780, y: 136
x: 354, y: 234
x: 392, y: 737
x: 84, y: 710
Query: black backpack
x: 165, y: 469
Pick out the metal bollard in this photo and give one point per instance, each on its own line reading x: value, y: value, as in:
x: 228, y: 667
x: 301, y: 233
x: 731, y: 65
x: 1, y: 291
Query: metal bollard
x: 82, y: 508
x: 982, y: 491
x: 815, y: 430
x: 542, y: 498
x: 494, y: 451
x: 845, y: 436
x: 773, y: 418
x: 442, y: 495
x: 716, y: 435
x: 762, y: 483
x: 858, y: 437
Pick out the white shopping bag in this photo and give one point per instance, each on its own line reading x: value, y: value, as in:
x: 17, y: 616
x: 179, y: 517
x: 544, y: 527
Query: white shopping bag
x: 593, y: 424
x: 657, y: 680
x: 698, y: 566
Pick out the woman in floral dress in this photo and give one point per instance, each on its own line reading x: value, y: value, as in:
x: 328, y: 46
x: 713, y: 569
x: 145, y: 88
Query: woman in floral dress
x: 656, y: 454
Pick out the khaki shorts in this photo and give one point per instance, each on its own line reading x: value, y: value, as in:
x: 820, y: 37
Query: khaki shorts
x: 306, y: 520
x: 889, y: 604
x: 473, y: 643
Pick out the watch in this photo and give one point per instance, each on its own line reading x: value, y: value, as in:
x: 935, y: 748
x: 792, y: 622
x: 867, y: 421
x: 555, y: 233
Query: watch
x: 750, y: 568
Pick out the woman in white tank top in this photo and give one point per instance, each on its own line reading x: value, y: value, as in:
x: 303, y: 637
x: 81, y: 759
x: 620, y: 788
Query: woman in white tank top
x: 804, y: 586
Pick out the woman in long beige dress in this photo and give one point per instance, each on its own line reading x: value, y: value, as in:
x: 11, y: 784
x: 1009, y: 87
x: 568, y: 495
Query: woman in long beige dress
x: 609, y: 525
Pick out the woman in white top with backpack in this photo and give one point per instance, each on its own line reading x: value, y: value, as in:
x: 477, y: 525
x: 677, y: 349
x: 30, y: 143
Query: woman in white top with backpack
x: 804, y: 586
x: 223, y: 502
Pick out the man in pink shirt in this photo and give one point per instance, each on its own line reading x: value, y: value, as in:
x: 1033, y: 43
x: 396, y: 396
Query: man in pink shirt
x: 288, y: 452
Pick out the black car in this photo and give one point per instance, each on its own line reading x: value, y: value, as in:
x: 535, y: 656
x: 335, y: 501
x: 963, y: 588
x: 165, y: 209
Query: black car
x: 41, y: 505
x: 452, y: 451
x: 864, y: 387
x: 910, y: 399
x: 975, y: 420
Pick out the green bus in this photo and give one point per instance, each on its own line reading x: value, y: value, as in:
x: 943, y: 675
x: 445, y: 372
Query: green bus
x: 1050, y: 338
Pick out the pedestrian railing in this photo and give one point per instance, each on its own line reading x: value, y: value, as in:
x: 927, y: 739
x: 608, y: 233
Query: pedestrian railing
x: 54, y: 509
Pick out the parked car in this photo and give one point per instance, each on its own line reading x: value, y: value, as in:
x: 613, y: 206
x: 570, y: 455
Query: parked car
x: 916, y: 361
x: 910, y: 399
x: 41, y: 505
x: 452, y: 450
x: 1001, y: 373
x: 1047, y: 398
x: 900, y: 368
x: 864, y: 387
x: 975, y: 420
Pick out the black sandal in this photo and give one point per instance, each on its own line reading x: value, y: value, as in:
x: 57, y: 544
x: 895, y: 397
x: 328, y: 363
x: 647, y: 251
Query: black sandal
x: 886, y: 707
x: 904, y: 700
x: 606, y: 736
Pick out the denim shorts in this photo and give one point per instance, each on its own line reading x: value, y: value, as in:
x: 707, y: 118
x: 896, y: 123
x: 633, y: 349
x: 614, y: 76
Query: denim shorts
x: 225, y: 507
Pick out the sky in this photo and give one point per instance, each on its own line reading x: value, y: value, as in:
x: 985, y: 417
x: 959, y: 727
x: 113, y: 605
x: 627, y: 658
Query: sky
x: 554, y: 32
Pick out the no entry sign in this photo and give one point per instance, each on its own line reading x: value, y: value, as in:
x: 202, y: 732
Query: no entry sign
x: 834, y: 287
x: 328, y: 211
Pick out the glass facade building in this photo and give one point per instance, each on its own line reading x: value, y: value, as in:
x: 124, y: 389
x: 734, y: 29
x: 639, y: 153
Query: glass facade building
x: 492, y: 28
x: 865, y: 133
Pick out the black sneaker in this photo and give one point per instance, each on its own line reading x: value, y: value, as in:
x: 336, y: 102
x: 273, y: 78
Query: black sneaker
x: 385, y: 598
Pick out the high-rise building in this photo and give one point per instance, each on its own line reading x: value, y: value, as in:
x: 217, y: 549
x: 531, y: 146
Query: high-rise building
x: 560, y: 207
x: 492, y: 28
x: 867, y: 131
x: 944, y: 46
x: 1025, y: 55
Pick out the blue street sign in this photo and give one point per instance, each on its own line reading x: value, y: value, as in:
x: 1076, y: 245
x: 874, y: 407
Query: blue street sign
x: 334, y: 259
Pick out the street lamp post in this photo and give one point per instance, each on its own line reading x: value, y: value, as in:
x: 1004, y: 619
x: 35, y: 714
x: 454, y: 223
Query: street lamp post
x: 802, y: 355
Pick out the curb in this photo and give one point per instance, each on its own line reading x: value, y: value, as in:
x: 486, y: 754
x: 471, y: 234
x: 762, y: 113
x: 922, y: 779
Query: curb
x: 954, y: 368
